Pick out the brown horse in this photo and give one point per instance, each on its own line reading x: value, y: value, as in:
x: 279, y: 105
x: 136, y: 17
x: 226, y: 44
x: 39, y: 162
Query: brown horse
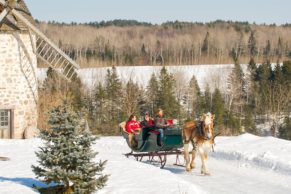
x: 200, y: 134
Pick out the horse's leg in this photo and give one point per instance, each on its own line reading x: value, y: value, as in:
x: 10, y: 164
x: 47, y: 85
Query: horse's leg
x: 186, y: 156
x: 202, y: 154
x: 192, y: 165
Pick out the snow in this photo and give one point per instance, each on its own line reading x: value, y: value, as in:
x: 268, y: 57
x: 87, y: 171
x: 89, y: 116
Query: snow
x: 270, y: 153
x: 215, y: 74
x: 130, y: 176
x: 126, y: 175
x: 241, y: 164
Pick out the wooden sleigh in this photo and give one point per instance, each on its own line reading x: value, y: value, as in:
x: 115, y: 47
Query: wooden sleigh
x: 147, y: 142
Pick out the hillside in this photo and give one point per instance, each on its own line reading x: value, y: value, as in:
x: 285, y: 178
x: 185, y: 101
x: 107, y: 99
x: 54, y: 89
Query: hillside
x: 205, y: 74
x: 123, y: 42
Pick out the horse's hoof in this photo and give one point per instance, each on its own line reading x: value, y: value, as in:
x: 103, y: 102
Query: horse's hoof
x: 188, y: 169
x: 4, y: 158
x: 205, y: 173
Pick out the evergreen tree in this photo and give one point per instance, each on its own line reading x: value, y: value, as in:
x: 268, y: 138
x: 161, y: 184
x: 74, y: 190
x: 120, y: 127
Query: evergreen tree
x: 218, y: 109
x: 273, y: 93
x: 207, y: 105
x: 167, y: 100
x: 99, y: 104
x: 267, y: 50
x: 205, y: 45
x: 252, y: 44
x: 249, y: 106
x: 262, y: 87
x: 113, y: 88
x: 236, y: 95
x: 252, y: 65
x: 280, y: 48
x: 66, y: 157
x: 286, y: 70
x: 285, y: 129
x: 194, y: 99
x: 51, y: 81
x: 143, y: 49
x: 152, y: 93
x: 75, y: 89
x: 248, y: 122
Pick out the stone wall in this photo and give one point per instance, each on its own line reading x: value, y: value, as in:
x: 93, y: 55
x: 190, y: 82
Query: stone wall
x: 17, y: 93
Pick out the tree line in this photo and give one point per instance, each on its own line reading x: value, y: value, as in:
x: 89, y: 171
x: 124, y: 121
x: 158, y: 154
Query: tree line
x: 128, y: 42
x: 259, y: 96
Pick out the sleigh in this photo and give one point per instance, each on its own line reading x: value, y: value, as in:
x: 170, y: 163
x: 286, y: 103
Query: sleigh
x: 147, y: 144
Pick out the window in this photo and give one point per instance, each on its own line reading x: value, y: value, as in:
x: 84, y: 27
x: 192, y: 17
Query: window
x: 4, y: 118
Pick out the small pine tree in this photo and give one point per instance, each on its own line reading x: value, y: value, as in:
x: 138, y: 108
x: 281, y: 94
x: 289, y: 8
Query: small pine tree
x: 66, y: 157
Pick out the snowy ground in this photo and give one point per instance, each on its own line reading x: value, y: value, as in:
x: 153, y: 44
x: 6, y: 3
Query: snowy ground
x: 243, y: 164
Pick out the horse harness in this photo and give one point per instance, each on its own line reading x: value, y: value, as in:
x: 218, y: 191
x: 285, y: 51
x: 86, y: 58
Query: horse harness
x: 199, y: 129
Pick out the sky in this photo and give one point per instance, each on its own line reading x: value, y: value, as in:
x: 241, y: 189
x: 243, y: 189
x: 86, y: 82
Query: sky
x: 159, y: 11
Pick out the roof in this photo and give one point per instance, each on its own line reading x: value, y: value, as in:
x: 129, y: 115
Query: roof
x: 20, y: 6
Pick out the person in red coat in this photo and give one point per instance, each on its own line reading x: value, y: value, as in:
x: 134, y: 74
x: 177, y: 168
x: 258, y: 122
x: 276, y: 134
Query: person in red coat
x: 132, y: 127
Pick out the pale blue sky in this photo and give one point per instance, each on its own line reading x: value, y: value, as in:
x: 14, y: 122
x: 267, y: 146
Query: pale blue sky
x: 159, y: 11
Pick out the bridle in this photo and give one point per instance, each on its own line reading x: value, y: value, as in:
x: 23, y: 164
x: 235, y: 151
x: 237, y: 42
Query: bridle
x: 209, y: 127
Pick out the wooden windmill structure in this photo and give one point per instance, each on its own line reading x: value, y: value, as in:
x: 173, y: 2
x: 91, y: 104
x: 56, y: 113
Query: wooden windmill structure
x: 21, y: 44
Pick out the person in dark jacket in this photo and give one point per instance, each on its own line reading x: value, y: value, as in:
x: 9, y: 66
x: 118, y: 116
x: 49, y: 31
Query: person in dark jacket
x: 147, y: 122
x: 147, y: 125
x: 160, y: 124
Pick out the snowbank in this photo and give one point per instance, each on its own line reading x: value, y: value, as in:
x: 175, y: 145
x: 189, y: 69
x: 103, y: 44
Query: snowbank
x: 266, y: 152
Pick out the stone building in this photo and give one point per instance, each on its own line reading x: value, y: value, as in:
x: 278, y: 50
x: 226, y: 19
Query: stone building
x: 20, y: 45
x: 18, y: 96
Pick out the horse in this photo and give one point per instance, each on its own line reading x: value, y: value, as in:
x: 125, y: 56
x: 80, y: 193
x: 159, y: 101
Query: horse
x: 200, y: 134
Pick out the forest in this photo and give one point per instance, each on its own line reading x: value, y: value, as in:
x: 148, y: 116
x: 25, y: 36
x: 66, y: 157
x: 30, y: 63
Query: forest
x: 259, y: 97
x: 129, y: 42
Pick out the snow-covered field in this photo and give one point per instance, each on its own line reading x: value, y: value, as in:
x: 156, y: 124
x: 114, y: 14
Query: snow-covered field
x: 214, y: 75
x: 243, y: 164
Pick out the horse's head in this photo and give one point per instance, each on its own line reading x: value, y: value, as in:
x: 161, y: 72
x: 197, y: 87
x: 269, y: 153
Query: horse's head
x: 208, y: 121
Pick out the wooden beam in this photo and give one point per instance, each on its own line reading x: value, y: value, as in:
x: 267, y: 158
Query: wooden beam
x: 3, y: 14
x: 39, y: 33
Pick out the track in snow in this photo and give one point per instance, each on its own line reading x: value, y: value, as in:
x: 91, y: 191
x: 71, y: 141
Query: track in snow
x: 234, y: 176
